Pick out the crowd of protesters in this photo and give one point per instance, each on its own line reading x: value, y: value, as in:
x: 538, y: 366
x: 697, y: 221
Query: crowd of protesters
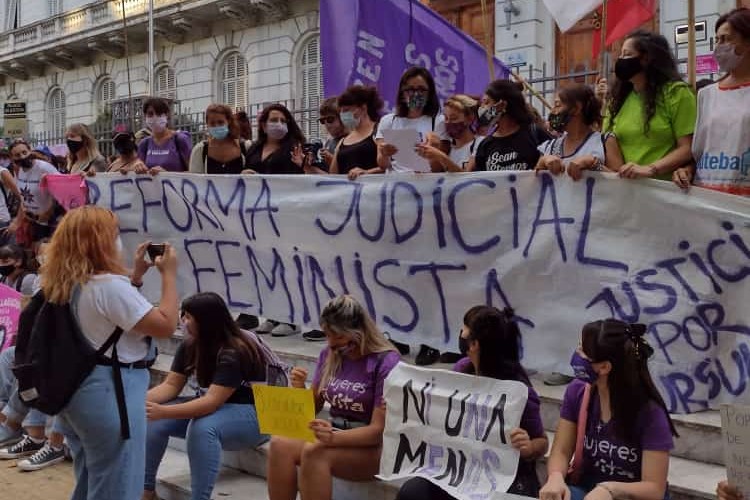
x: 647, y: 123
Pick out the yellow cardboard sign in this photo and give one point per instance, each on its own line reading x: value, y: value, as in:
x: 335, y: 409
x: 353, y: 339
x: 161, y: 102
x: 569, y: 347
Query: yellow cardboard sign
x: 285, y: 411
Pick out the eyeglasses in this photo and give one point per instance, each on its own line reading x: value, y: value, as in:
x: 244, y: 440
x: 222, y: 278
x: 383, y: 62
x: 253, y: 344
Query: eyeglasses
x: 327, y: 120
x: 416, y: 90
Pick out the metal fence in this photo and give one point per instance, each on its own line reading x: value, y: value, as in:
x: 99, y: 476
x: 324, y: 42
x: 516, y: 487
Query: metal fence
x: 546, y: 85
x: 190, y: 122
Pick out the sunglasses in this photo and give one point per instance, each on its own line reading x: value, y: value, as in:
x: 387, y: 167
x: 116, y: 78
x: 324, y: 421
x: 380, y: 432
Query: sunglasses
x: 327, y: 120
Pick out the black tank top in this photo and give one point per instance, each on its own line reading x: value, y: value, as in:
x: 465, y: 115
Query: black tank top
x: 234, y: 166
x: 362, y: 154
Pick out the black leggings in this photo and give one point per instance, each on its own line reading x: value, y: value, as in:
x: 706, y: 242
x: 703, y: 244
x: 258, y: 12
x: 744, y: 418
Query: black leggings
x: 417, y: 488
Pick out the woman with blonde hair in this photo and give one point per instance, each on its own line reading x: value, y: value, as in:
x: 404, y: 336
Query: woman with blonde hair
x: 83, y: 153
x: 460, y: 113
x: 350, y: 375
x: 84, y: 267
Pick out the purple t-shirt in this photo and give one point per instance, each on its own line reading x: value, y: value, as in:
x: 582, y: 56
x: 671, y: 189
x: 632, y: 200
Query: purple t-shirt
x: 606, y: 457
x: 173, y: 155
x: 531, y: 419
x: 356, y: 389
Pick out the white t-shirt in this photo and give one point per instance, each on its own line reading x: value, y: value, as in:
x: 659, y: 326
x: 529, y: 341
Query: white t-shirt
x: 28, y: 284
x: 4, y: 212
x: 423, y: 125
x: 28, y: 183
x: 721, y: 143
x: 107, y: 301
x: 593, y: 145
x: 461, y: 156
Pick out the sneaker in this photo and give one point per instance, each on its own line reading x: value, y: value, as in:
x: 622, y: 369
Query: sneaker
x: 23, y: 448
x: 403, y: 349
x: 267, y: 326
x: 427, y: 356
x: 285, y: 330
x: 43, y: 458
x: 557, y: 379
x: 247, y: 321
x: 9, y: 437
x: 314, y: 335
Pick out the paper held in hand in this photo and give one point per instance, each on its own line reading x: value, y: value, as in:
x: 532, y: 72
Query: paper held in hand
x: 406, y: 141
x: 285, y: 411
x: 735, y: 431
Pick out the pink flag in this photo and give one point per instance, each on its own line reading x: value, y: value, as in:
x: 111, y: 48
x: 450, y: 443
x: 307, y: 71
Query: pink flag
x: 70, y: 191
x: 10, y: 310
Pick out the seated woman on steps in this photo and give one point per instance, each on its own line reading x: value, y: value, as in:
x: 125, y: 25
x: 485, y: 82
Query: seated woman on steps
x: 624, y: 451
x: 490, y: 341
x: 224, y: 359
x: 349, y: 445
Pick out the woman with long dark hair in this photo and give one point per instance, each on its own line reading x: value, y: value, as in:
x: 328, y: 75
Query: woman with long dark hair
x: 278, y: 149
x: 357, y: 153
x: 224, y: 360
x: 628, y: 433
x: 417, y: 108
x: 513, y: 145
x: 490, y: 341
x: 652, y: 111
x: 722, y: 133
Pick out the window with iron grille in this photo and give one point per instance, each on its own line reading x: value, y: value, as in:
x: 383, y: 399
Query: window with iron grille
x: 310, y: 87
x: 56, y: 113
x: 234, y: 81
x: 166, y: 83
x: 105, y: 94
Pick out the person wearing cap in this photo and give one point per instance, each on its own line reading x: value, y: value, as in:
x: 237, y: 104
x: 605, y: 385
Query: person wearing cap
x: 127, y: 157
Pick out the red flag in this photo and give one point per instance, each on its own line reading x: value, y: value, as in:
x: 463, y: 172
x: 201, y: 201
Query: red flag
x: 623, y: 17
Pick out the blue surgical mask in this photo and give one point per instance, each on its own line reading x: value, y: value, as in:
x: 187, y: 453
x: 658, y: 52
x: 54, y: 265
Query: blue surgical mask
x: 349, y: 120
x: 220, y: 132
x: 582, y: 368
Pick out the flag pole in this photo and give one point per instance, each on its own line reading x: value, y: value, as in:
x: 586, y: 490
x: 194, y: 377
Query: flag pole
x: 691, y: 43
x: 603, y: 42
x: 488, y: 50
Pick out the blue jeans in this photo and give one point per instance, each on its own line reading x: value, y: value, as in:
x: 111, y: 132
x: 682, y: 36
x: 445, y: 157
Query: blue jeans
x: 12, y: 406
x: 105, y: 465
x: 231, y: 427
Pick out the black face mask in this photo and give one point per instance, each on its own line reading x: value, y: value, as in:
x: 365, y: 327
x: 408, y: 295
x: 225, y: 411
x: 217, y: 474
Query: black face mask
x: 74, y: 146
x: 558, y: 121
x: 7, y: 270
x: 463, y: 345
x: 627, y: 67
x: 26, y: 163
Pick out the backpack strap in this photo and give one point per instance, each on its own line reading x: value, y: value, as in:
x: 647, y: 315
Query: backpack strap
x: 183, y: 161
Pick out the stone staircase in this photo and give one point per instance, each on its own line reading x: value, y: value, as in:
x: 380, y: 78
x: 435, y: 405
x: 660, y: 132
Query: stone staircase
x: 696, y: 464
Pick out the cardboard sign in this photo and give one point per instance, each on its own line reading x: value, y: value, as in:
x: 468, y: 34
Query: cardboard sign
x: 735, y: 431
x: 285, y: 411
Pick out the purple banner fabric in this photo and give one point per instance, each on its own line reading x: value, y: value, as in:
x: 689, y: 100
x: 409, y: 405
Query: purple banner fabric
x: 373, y: 42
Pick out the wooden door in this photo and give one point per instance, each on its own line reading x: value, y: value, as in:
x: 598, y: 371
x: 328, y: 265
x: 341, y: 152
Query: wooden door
x: 466, y: 15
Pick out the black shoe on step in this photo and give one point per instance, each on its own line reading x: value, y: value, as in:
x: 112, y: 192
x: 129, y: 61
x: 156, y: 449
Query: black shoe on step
x: 427, y: 356
x: 450, y: 357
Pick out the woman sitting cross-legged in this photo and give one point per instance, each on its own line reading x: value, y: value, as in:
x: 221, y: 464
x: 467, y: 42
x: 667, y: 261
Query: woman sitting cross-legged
x: 490, y: 340
x: 224, y: 359
x: 624, y: 451
x: 349, y: 376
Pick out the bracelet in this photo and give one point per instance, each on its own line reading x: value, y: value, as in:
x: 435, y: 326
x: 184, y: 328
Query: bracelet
x: 609, y: 490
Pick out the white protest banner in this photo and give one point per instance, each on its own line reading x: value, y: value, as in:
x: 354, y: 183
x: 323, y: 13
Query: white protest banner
x: 419, y: 250
x: 735, y: 429
x: 452, y: 429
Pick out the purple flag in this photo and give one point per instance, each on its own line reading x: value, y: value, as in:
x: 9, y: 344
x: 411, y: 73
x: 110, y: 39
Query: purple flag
x: 373, y: 42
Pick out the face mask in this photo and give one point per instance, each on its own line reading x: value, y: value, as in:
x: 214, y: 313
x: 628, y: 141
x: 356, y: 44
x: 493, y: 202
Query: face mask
x: 220, y: 132
x: 347, y: 349
x: 726, y: 57
x: 276, y: 130
x: 40, y: 259
x: 582, y: 369
x: 26, y: 163
x: 558, y: 121
x: 157, y: 123
x: 349, y: 120
x: 118, y: 244
x: 74, y: 146
x: 487, y: 114
x: 125, y: 148
x: 7, y: 270
x: 416, y: 102
x: 627, y: 67
x: 463, y: 345
x: 456, y: 130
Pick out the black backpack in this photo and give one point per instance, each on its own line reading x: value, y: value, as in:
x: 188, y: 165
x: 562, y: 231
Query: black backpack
x: 53, y: 358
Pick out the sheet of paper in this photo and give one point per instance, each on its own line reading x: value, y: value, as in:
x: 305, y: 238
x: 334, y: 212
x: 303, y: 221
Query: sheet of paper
x: 285, y: 411
x: 735, y: 429
x: 406, y: 141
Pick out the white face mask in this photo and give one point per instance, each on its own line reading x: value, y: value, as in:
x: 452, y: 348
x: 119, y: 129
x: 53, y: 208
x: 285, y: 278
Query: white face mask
x: 118, y: 244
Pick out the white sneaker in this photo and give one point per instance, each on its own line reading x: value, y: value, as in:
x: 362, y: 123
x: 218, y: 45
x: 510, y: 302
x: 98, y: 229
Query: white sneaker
x: 43, y: 458
x: 267, y: 326
x: 285, y: 330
